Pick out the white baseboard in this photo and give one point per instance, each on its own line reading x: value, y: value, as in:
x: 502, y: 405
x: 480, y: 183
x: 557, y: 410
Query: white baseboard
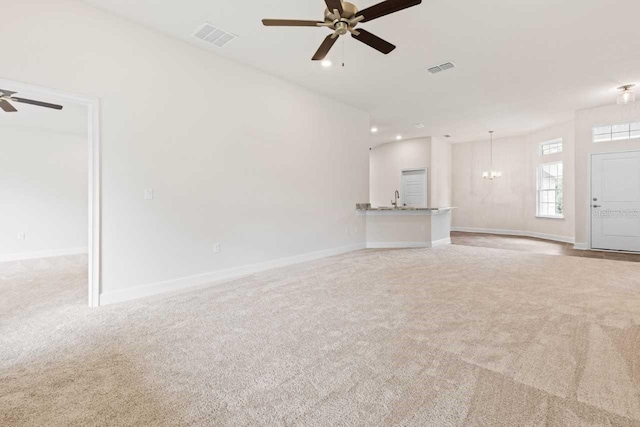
x: 515, y: 233
x: 42, y: 254
x: 441, y: 242
x: 216, y: 277
x: 397, y: 245
x: 407, y: 245
x: 581, y: 246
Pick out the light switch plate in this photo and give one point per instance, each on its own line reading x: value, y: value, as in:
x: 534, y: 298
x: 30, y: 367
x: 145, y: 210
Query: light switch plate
x: 22, y: 236
x: 216, y: 248
x: 148, y: 193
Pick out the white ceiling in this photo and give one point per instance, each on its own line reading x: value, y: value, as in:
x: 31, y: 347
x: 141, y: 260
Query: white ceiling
x: 73, y: 118
x: 521, y: 64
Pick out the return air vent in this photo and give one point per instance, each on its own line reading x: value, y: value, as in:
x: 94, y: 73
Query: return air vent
x: 211, y: 34
x: 442, y: 67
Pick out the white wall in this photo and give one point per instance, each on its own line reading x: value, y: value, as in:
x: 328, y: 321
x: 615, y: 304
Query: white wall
x: 234, y: 155
x: 509, y: 204
x: 585, y: 120
x: 43, y: 192
x: 441, y: 184
x: 555, y: 227
x: 387, y: 163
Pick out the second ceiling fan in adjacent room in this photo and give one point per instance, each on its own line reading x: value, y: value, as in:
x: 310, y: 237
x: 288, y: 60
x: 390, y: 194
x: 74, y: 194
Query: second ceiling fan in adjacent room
x: 342, y: 18
x: 7, y: 99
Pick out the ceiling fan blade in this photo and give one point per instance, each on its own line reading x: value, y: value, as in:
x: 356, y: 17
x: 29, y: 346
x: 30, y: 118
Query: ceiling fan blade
x: 289, y: 23
x: 333, y: 5
x: 37, y: 103
x: 325, y: 47
x: 374, y: 41
x: 8, y: 108
x: 386, y: 8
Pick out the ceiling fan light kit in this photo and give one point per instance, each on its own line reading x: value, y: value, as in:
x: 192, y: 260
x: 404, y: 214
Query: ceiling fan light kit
x: 342, y: 18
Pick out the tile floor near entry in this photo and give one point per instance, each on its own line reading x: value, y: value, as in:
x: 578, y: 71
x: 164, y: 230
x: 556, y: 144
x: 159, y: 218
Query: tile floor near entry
x: 528, y: 244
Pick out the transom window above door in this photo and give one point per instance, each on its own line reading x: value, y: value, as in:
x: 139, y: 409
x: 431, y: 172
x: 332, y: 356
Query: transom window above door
x: 617, y: 132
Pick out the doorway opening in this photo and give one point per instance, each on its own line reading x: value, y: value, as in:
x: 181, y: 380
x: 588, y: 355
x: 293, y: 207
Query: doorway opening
x: 53, y: 178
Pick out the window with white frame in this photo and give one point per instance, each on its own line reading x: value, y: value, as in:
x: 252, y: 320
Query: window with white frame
x: 551, y: 147
x: 550, y: 203
x: 617, y: 132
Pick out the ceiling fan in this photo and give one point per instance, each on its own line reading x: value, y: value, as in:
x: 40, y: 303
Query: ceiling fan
x: 7, y: 107
x: 342, y: 18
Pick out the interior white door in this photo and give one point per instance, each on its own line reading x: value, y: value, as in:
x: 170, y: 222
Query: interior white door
x: 414, y: 188
x: 615, y: 204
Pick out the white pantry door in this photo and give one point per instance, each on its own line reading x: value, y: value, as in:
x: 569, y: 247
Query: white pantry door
x: 414, y: 188
x: 615, y: 203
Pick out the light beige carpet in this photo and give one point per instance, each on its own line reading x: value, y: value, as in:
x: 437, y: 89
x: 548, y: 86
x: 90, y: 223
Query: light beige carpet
x: 453, y: 336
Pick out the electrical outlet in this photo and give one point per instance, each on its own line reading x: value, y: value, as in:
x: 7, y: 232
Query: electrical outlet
x: 148, y: 193
x: 22, y: 236
x: 216, y: 248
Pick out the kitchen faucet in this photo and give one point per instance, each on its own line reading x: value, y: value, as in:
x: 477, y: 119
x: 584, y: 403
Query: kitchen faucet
x: 397, y: 196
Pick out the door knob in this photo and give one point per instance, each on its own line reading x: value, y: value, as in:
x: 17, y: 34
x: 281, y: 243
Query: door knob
x: 596, y: 206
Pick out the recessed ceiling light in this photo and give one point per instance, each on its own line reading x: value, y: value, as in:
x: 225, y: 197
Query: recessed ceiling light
x: 326, y: 63
x: 419, y: 125
x: 374, y: 129
x: 398, y: 138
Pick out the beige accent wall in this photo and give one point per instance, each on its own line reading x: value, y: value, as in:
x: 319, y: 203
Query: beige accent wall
x: 387, y: 162
x: 585, y: 121
x: 509, y: 204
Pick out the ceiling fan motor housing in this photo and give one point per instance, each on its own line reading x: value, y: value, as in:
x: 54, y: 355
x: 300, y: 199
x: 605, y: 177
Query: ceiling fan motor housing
x: 349, y: 11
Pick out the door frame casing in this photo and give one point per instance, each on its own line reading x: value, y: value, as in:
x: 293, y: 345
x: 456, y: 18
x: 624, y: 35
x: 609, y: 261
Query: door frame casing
x: 94, y: 176
x: 590, y: 201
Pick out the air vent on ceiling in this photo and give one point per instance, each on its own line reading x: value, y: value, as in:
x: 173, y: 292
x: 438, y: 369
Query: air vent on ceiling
x: 442, y: 67
x: 211, y: 34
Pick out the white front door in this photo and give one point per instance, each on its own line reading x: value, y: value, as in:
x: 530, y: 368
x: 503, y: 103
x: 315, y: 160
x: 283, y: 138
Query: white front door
x: 414, y: 188
x: 615, y: 203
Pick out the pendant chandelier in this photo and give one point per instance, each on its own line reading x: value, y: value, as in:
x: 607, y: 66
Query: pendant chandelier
x: 491, y: 174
